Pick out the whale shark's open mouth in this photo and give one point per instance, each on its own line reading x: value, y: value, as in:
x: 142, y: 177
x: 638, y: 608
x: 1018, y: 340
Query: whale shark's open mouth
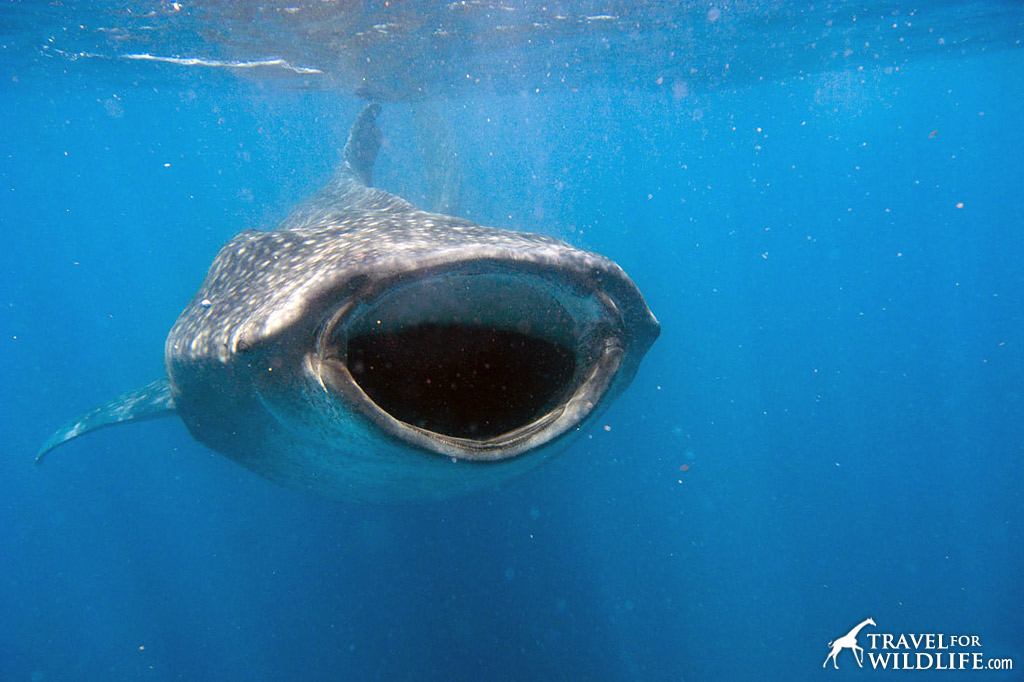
x: 478, y: 361
x: 460, y: 379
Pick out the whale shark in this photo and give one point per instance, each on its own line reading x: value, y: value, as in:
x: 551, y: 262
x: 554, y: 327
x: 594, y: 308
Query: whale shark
x: 367, y: 350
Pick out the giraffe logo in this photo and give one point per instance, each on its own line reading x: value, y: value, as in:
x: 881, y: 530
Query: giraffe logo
x: 848, y: 641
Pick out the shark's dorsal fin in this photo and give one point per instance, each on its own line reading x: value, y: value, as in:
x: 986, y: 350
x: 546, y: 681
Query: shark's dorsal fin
x: 149, y: 402
x: 349, y: 189
x: 361, y: 148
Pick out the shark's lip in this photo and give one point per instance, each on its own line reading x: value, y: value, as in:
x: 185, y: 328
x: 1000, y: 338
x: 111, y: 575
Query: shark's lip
x: 505, y: 306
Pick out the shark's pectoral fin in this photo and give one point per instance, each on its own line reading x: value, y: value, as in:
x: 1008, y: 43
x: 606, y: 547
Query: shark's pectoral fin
x: 149, y: 402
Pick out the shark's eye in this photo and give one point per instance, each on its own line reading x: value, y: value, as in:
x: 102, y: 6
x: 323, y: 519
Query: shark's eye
x: 461, y: 380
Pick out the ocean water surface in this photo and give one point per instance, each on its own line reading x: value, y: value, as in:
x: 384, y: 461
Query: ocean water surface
x: 823, y: 204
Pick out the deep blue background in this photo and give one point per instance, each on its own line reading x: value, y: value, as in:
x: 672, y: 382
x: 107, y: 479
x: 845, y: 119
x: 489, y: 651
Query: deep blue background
x: 840, y: 368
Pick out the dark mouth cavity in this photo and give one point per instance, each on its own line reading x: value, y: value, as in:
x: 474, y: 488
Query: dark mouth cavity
x: 461, y: 380
x: 465, y: 355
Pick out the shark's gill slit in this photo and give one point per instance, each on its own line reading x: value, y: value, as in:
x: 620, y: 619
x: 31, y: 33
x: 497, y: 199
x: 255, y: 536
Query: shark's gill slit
x: 471, y: 355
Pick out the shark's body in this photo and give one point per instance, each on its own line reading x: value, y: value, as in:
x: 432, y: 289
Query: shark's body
x: 368, y: 350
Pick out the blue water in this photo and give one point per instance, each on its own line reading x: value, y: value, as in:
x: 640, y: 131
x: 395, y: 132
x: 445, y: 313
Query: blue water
x: 830, y: 428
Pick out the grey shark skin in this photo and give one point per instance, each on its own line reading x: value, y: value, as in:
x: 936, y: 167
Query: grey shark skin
x: 367, y: 350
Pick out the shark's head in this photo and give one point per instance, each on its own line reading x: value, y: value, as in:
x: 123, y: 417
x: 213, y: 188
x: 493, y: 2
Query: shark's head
x: 482, y: 352
x: 381, y: 345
